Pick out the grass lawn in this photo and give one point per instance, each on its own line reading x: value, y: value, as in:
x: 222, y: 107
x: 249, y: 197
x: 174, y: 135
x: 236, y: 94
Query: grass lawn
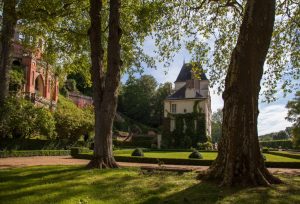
x: 74, y: 184
x: 206, y: 155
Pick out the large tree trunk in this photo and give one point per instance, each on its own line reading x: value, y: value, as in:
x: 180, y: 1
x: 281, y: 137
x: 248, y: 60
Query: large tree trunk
x: 240, y: 161
x: 103, y: 153
x: 7, y: 36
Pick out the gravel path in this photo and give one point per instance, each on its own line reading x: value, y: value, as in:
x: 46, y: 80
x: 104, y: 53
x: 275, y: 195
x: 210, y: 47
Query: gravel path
x: 16, y: 162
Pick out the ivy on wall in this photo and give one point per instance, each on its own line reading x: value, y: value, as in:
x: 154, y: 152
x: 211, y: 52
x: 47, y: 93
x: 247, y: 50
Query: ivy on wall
x: 190, y: 129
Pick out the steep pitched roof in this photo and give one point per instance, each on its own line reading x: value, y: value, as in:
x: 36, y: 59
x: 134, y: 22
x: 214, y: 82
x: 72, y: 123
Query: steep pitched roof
x: 186, y: 73
x: 180, y: 94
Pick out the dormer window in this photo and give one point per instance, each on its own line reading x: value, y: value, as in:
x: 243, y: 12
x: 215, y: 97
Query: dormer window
x: 173, y: 108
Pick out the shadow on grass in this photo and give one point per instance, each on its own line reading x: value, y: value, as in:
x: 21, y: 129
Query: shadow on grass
x: 79, y: 185
x: 206, y: 192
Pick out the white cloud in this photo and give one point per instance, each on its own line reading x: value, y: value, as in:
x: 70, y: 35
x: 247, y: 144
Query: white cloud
x: 272, y: 119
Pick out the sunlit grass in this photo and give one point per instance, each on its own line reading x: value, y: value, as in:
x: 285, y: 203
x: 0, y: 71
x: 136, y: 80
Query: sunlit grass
x: 74, y: 184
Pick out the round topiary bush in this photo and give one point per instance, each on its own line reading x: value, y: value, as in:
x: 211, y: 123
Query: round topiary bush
x: 138, y: 153
x: 195, y: 155
x: 265, y: 150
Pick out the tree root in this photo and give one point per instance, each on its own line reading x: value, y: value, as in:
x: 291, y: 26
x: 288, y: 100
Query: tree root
x: 226, y: 177
x: 102, y: 163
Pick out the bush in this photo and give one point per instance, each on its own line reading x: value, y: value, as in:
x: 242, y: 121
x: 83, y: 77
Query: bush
x: 19, y: 118
x: 31, y: 153
x: 205, y: 146
x: 71, y: 121
x: 195, y: 155
x: 265, y: 158
x: 285, y: 144
x: 138, y: 153
x: 265, y: 150
x: 79, y: 150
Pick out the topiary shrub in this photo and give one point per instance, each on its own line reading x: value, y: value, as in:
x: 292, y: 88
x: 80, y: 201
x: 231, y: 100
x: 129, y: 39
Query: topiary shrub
x: 195, y: 155
x: 138, y: 153
x: 205, y: 146
x: 265, y: 150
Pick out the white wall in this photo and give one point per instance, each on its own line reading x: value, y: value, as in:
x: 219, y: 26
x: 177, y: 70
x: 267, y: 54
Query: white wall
x: 188, y: 105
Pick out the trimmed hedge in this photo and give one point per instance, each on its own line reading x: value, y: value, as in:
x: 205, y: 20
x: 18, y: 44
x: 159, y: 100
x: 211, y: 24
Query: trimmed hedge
x: 293, y: 156
x: 79, y: 150
x: 285, y: 144
x: 145, y: 143
x: 37, y: 144
x: 4, y: 154
x: 195, y: 162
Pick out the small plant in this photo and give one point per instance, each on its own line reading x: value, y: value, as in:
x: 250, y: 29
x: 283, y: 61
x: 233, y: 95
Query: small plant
x: 138, y: 153
x: 195, y: 155
x: 265, y: 150
x: 205, y: 146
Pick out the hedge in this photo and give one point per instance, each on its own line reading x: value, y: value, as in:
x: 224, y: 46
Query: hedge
x: 79, y: 150
x: 195, y: 162
x: 37, y: 144
x: 4, y: 154
x: 285, y: 144
x: 293, y: 156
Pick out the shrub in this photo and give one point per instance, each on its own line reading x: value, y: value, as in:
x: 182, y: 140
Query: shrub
x: 265, y: 158
x: 195, y: 155
x: 30, y: 153
x: 78, y: 150
x: 265, y: 149
x: 285, y: 144
x: 19, y: 118
x: 205, y: 146
x: 71, y: 121
x: 138, y: 153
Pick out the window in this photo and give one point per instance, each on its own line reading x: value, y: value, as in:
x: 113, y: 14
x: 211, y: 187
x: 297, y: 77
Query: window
x: 173, y: 108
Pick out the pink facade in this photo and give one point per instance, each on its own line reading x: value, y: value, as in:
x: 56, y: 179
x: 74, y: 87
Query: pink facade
x: 41, y: 85
x: 81, y: 101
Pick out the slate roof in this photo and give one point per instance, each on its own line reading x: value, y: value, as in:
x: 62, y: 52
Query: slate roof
x: 180, y: 94
x: 186, y: 74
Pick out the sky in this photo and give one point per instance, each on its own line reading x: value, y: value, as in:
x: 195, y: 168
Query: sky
x: 272, y: 115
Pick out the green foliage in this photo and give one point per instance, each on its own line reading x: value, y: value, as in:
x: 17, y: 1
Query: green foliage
x: 138, y: 97
x: 71, y: 121
x: 138, y: 153
x: 31, y: 153
x: 16, y: 78
x: 190, y: 129
x: 195, y: 155
x: 216, y: 125
x: 265, y: 150
x: 21, y: 119
x: 37, y: 144
x: 294, y: 116
x: 285, y: 144
x: 78, y: 150
x: 205, y: 146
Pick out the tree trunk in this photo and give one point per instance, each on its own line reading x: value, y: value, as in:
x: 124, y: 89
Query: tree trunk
x: 239, y: 160
x: 7, y: 36
x: 107, y: 103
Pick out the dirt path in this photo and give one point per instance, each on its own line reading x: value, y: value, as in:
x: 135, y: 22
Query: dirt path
x: 16, y: 162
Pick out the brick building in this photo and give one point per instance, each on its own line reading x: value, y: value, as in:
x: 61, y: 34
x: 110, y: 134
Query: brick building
x: 41, y: 85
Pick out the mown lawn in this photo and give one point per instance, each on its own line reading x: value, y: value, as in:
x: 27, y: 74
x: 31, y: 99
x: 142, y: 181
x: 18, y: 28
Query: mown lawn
x: 206, y: 155
x: 74, y: 184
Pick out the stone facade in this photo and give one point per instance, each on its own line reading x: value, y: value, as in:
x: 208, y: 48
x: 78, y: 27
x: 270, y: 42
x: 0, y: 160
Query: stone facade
x: 189, y: 91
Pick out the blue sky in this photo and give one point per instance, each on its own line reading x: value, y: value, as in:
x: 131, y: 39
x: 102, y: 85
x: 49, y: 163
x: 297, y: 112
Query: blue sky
x: 271, y: 117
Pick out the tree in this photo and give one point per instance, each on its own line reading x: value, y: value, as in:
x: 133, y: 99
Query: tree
x: 161, y: 94
x: 281, y: 135
x: 138, y: 98
x: 294, y: 116
x: 7, y: 35
x: 216, y: 129
x: 105, y: 86
x: 239, y: 160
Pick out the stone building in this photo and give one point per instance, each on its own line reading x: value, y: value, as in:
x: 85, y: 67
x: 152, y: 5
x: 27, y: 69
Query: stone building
x: 189, y: 91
